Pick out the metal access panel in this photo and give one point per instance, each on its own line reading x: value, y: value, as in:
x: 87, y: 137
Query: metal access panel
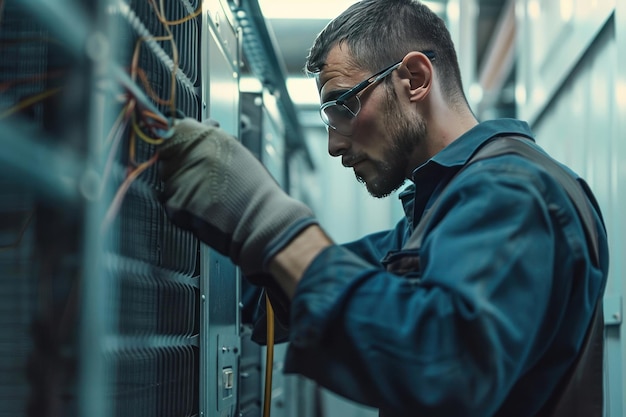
x: 219, y: 278
x: 566, y: 47
x: 263, y: 132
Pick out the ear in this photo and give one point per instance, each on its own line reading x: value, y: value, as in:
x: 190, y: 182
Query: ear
x: 417, y: 69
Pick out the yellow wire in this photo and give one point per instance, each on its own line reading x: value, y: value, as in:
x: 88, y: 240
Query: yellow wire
x: 145, y: 137
x: 161, y: 17
x: 29, y: 102
x: 186, y: 18
x: 269, y: 357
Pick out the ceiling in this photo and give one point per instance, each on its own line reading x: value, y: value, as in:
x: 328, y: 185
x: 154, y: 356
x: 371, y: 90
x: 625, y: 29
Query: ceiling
x: 296, y: 23
x: 291, y: 26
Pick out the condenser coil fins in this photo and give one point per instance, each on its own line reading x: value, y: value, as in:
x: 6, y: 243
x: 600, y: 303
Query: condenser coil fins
x: 154, y: 348
x: 40, y: 224
x: 18, y: 291
x: 96, y: 284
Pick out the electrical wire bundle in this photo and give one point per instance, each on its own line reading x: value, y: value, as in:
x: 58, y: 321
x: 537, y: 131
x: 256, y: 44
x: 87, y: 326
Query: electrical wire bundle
x: 149, y: 91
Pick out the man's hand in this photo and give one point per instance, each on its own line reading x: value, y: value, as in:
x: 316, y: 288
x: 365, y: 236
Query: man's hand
x: 222, y: 193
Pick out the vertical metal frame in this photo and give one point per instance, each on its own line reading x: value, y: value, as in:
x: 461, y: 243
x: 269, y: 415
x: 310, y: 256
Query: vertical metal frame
x: 220, y: 345
x: 546, y: 59
x: 596, y: 105
x: 616, y: 341
x: 462, y: 20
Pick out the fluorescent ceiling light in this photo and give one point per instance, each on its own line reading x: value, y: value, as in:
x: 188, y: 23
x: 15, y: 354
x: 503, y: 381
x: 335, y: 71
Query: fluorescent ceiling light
x: 320, y: 9
x: 303, y: 91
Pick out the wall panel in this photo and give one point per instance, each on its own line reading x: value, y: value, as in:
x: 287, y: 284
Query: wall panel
x: 578, y: 123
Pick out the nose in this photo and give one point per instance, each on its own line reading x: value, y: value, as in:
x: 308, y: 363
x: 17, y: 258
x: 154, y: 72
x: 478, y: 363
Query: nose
x: 338, y: 144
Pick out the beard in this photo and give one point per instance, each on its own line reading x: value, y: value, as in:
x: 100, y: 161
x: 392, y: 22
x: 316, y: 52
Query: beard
x: 406, y: 134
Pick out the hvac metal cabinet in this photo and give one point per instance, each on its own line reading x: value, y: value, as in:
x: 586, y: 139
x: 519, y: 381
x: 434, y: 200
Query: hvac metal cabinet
x: 105, y: 293
x: 262, y: 131
x: 220, y: 345
x: 108, y: 308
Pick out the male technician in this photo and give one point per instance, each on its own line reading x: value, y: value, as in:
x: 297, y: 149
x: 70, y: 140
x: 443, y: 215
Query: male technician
x: 490, y: 315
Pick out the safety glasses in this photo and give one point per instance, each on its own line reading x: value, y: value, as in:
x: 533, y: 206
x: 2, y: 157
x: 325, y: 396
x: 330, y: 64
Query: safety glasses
x: 339, y: 114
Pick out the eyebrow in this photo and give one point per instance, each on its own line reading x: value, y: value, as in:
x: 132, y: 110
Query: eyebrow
x: 332, y: 95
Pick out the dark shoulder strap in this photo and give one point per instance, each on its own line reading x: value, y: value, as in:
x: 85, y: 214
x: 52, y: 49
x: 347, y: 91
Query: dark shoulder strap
x: 580, y: 391
x: 518, y: 145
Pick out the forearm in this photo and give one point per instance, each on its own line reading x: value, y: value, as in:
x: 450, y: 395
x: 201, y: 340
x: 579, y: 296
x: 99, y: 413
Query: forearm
x: 289, y: 264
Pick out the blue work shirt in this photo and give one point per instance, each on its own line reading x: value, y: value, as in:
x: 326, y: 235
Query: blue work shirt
x: 505, y: 294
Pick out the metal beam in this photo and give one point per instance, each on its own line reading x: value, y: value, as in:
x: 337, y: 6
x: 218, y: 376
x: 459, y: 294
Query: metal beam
x: 262, y: 56
x: 499, y: 57
x: 29, y: 159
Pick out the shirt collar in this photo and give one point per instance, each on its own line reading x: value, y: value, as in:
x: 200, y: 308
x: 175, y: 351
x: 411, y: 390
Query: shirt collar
x: 428, y: 176
x: 459, y: 151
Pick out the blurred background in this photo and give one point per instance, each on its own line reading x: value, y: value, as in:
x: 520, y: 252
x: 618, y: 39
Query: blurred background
x: 107, y: 309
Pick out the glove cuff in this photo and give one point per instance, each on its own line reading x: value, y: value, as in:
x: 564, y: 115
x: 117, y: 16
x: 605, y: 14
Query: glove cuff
x: 283, y: 239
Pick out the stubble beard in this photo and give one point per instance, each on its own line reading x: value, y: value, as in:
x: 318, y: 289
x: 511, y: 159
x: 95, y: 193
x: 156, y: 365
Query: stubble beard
x: 407, y: 133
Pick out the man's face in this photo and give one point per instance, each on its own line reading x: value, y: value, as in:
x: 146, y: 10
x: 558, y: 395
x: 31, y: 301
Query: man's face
x: 405, y: 133
x: 384, y: 135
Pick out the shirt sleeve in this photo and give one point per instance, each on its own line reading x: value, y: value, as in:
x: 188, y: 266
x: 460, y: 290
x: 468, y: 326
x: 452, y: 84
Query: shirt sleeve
x: 452, y: 342
x: 374, y: 247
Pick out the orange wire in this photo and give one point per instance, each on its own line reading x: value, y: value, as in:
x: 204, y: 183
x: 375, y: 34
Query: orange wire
x: 161, y: 122
x: 139, y: 168
x: 115, y: 137
x: 33, y: 78
x: 174, y: 55
x: 132, y: 148
x: 269, y: 357
x: 143, y: 77
x: 29, y: 102
x: 121, y: 192
x: 135, y: 70
x: 160, y: 12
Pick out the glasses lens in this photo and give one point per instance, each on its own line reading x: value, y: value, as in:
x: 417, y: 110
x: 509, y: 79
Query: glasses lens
x: 341, y: 116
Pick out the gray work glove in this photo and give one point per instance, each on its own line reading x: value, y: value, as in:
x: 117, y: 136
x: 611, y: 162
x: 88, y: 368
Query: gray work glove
x: 214, y: 187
